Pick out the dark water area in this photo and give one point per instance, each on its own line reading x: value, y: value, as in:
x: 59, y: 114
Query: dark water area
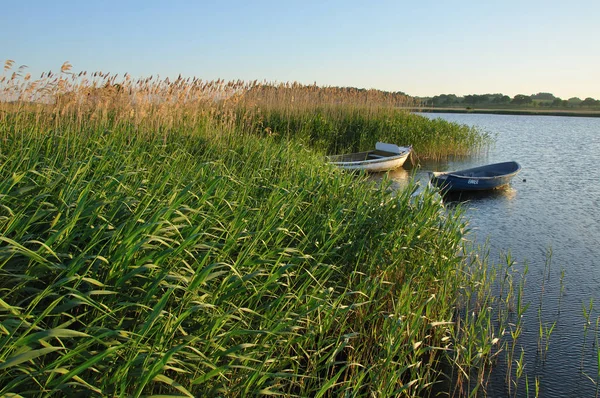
x: 553, y: 205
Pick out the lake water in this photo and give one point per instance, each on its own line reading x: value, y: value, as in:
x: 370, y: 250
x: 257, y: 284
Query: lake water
x: 553, y: 204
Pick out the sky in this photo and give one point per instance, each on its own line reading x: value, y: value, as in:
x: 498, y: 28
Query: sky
x: 422, y: 48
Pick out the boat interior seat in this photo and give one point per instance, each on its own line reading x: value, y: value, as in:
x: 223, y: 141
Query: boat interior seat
x: 378, y: 154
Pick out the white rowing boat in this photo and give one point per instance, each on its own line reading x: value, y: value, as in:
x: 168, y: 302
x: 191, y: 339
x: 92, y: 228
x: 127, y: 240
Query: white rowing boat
x: 385, y: 157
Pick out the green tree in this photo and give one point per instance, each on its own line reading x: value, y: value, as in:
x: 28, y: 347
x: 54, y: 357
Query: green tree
x: 501, y: 99
x: 474, y: 99
x: 543, y: 97
x: 445, y: 100
x: 589, y: 101
x: 521, y: 99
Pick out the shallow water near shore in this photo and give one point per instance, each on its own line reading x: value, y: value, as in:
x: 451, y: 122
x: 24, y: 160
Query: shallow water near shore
x: 552, y: 206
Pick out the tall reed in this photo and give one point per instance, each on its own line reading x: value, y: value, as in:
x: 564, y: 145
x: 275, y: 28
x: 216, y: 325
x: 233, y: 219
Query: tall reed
x: 330, y: 119
x: 152, y: 244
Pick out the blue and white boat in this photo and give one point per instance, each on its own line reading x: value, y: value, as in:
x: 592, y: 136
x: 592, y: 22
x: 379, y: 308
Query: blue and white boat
x: 491, y: 176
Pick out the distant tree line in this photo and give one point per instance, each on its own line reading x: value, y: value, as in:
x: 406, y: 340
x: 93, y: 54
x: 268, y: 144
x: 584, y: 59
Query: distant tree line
x: 535, y: 100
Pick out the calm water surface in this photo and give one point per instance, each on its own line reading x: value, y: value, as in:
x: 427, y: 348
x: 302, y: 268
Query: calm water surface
x: 553, y: 204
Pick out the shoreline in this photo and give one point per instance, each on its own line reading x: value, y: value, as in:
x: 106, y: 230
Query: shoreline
x: 534, y: 112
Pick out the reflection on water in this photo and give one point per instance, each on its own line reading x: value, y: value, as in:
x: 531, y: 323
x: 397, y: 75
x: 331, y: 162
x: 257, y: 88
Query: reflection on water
x: 505, y: 193
x: 399, y: 175
x: 399, y: 178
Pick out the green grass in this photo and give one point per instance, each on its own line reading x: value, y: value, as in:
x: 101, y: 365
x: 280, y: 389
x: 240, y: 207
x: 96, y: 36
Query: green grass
x: 208, y: 266
x: 204, y: 248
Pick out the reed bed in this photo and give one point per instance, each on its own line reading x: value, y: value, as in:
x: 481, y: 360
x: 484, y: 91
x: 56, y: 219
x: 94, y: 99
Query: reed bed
x: 349, y: 120
x: 161, y: 247
x: 329, y: 119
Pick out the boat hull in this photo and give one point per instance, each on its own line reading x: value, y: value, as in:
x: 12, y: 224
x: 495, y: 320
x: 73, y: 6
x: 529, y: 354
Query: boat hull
x: 482, y: 178
x: 374, y: 165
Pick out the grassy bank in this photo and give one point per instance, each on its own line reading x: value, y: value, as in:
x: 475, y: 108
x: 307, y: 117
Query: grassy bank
x: 193, y: 247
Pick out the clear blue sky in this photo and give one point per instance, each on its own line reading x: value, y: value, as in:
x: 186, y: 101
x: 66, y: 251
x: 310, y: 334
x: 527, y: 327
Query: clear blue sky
x: 423, y: 48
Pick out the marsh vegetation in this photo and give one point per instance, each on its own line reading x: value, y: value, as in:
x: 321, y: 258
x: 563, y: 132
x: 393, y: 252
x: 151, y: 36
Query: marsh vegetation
x: 186, y: 238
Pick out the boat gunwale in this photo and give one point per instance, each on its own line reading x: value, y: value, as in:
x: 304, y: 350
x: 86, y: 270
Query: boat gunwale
x: 366, y: 161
